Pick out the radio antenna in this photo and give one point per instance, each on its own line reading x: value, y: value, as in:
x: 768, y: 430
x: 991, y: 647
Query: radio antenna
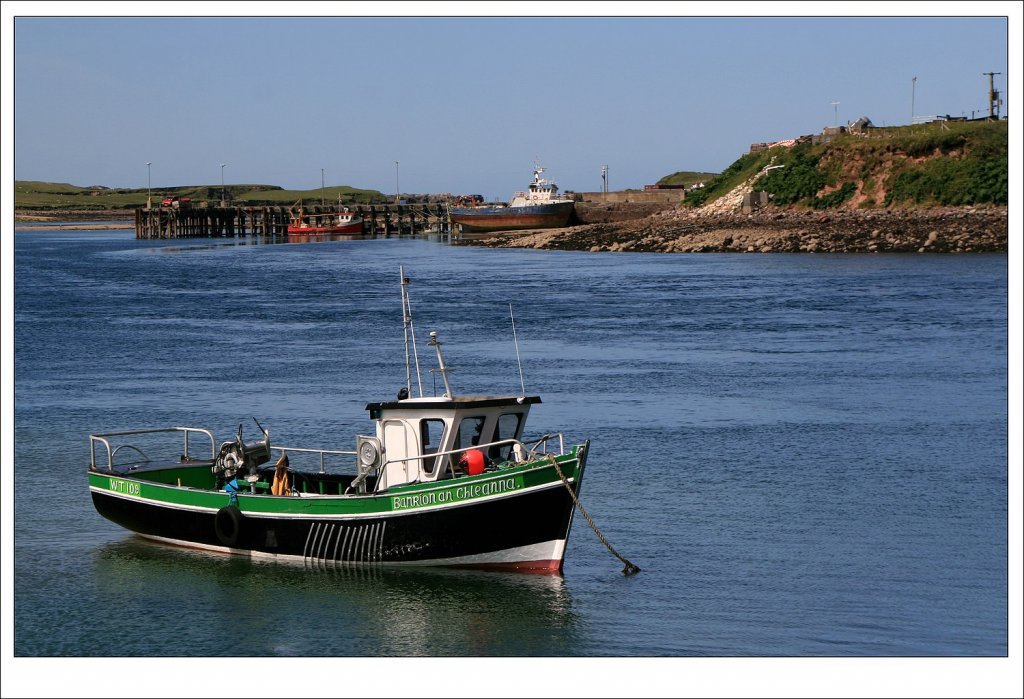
x: 516, y: 340
x: 410, y: 331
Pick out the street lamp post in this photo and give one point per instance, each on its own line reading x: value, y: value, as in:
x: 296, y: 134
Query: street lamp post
x: 149, y: 186
x: 397, y: 190
x: 223, y: 203
x: 321, y: 186
x: 836, y: 106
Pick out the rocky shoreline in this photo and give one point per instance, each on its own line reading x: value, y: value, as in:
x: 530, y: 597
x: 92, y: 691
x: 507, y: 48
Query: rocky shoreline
x: 945, y: 229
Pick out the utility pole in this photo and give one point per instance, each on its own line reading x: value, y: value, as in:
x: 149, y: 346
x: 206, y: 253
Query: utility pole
x: 836, y: 105
x: 993, y: 98
x: 913, y: 89
x: 604, y: 178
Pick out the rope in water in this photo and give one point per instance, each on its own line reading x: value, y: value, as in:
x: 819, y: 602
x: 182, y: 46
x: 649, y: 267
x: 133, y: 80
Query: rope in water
x: 629, y: 569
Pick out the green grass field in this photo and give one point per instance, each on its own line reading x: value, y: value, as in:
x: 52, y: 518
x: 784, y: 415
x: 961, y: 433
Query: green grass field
x: 50, y: 196
x: 686, y: 178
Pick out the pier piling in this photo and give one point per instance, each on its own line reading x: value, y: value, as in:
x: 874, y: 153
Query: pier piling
x: 272, y: 221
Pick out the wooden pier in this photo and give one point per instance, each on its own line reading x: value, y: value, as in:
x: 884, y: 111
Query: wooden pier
x: 272, y: 221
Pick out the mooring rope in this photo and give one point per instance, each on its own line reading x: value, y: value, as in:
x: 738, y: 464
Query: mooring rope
x: 629, y: 568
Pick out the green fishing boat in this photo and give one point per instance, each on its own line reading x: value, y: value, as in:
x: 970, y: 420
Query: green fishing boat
x: 446, y: 480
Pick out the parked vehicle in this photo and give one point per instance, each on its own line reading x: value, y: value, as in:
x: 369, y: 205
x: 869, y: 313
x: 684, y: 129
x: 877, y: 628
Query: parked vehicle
x: 176, y: 201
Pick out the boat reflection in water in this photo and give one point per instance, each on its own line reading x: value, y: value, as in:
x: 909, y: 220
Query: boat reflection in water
x: 196, y: 603
x: 322, y: 237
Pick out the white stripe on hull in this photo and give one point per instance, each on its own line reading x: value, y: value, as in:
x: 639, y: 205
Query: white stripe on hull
x: 545, y: 551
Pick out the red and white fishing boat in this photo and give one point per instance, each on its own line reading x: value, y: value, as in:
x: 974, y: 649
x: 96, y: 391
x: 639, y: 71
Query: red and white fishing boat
x: 341, y: 222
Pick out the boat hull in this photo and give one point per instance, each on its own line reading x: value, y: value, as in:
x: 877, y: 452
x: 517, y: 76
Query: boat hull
x: 496, y: 218
x: 517, y: 520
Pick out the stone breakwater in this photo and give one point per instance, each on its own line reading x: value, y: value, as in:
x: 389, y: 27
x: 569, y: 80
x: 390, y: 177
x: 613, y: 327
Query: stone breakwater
x: 948, y: 229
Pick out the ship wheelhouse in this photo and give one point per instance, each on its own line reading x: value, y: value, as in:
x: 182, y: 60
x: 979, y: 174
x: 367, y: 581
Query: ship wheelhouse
x: 423, y: 439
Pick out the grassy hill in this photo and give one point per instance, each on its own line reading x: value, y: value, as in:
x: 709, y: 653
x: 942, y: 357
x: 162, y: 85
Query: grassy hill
x: 936, y: 164
x: 686, y: 178
x: 49, y: 196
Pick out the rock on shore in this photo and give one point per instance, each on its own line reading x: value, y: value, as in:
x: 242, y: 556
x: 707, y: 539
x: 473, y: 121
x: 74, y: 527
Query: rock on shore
x: 945, y: 229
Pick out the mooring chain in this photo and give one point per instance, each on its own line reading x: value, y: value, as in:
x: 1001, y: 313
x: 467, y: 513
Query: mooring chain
x: 629, y: 568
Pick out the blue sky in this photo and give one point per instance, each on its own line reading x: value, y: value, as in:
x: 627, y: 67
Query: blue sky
x: 466, y: 104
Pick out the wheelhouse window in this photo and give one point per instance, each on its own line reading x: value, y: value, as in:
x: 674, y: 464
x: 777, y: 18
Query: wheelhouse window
x: 508, y: 428
x: 470, y: 432
x: 431, y: 437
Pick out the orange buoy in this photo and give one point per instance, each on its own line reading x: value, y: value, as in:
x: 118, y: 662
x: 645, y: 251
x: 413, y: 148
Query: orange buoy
x: 472, y: 462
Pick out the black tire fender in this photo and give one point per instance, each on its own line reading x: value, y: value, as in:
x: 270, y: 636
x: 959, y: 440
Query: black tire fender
x: 227, y: 524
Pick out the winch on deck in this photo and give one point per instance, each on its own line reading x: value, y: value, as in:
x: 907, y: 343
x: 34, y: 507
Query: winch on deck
x: 236, y: 456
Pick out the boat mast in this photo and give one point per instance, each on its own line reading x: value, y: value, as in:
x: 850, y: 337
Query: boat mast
x: 537, y: 170
x: 409, y: 330
x: 515, y: 339
x: 442, y: 369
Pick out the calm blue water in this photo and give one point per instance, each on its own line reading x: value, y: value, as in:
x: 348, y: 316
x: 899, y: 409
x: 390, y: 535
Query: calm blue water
x: 806, y: 455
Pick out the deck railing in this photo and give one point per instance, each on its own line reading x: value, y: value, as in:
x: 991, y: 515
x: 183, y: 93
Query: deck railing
x: 103, y: 439
x: 321, y: 452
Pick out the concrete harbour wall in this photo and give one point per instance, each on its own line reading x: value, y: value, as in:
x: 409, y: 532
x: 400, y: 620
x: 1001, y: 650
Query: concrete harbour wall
x: 664, y: 196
